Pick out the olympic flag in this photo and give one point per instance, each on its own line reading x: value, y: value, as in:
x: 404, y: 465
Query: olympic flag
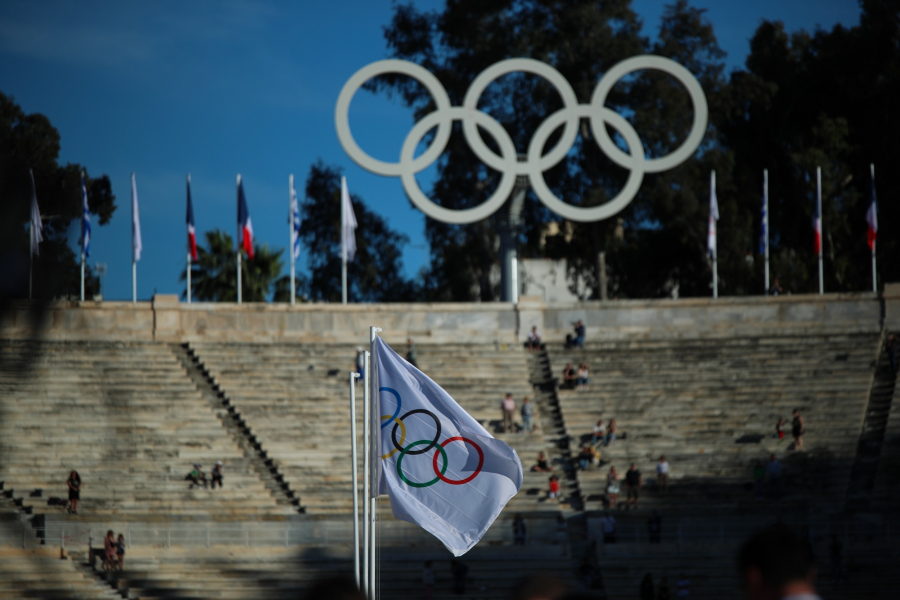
x: 442, y: 470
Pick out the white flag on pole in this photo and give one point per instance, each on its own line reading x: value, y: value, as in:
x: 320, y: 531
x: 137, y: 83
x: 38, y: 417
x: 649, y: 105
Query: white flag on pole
x: 36, y: 224
x: 135, y: 222
x: 442, y: 470
x: 295, y: 222
x: 713, y: 216
x: 348, y: 224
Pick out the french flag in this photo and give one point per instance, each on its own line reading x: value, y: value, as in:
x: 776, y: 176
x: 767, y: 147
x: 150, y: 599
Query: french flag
x: 817, y: 226
x: 245, y: 227
x: 872, y: 216
x: 192, y: 233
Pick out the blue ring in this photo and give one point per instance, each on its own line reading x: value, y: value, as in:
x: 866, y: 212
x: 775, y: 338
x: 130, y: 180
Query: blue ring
x: 399, y: 405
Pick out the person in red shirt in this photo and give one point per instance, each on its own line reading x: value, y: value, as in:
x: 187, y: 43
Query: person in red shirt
x: 554, y: 488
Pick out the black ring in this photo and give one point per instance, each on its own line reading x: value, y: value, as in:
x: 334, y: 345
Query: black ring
x: 433, y: 443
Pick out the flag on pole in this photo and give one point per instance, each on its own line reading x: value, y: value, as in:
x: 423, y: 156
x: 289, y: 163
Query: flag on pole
x: 295, y: 223
x: 85, y: 220
x: 348, y: 224
x: 817, y: 226
x: 36, y: 224
x: 713, y: 216
x: 442, y: 470
x: 135, y: 223
x: 192, y: 234
x: 245, y: 227
x: 764, y: 220
x: 872, y: 217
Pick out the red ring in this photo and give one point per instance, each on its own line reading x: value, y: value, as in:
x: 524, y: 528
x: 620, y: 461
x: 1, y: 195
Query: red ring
x: 470, y: 477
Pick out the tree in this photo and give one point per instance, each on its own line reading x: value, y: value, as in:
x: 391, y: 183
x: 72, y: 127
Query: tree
x: 214, y: 278
x: 29, y: 141
x: 662, y: 241
x: 375, y: 274
x: 825, y: 99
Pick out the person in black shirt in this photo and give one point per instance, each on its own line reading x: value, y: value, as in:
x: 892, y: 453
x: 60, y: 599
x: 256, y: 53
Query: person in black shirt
x: 74, y: 485
x: 218, y: 473
x: 633, y: 483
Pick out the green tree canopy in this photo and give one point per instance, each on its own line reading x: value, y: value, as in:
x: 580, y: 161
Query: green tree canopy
x: 214, y: 275
x: 29, y: 141
x: 376, y: 273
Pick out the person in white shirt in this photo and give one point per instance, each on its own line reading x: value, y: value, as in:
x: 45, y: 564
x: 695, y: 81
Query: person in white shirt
x: 599, y: 433
x: 775, y: 564
x: 534, y: 339
x: 662, y: 475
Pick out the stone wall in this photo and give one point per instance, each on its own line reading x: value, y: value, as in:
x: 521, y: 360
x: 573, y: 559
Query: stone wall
x: 166, y: 319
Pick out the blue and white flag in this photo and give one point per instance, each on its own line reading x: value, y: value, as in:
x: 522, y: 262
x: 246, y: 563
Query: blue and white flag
x: 348, y: 224
x: 295, y: 222
x: 85, y: 221
x: 442, y: 470
x: 764, y: 221
x: 136, y: 244
x: 37, y: 226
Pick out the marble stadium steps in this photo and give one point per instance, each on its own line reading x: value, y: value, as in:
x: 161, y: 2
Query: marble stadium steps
x: 127, y: 418
x: 711, y: 407
x: 39, y: 573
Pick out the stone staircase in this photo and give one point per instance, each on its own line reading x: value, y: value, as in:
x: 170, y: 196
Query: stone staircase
x: 40, y: 573
x: 126, y: 417
x: 710, y: 407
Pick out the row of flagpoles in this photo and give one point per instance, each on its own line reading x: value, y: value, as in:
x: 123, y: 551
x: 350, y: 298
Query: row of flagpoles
x: 244, y: 237
x: 349, y: 224
x: 711, y: 241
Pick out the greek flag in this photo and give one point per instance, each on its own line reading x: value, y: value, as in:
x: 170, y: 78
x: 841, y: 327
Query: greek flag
x: 441, y: 469
x: 713, y: 216
x: 295, y: 222
x: 85, y: 220
x: 348, y: 224
x: 136, y: 245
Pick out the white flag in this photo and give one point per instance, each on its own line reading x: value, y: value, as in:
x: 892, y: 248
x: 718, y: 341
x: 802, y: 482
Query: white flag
x: 348, y: 224
x: 713, y: 216
x: 295, y: 222
x: 36, y: 224
x: 442, y: 470
x: 135, y: 223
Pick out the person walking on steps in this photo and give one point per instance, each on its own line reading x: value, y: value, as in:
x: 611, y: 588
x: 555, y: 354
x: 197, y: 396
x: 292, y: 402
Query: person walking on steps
x: 109, y: 548
x: 662, y: 475
x: 120, y: 552
x: 508, y: 408
x: 634, y: 483
x: 528, y: 415
x: 411, y: 357
x: 797, y: 429
x: 74, y: 485
x: 218, y: 473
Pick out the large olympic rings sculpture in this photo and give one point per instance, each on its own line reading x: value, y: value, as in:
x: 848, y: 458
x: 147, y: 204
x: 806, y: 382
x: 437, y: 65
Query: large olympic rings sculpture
x: 536, y: 162
x: 407, y: 449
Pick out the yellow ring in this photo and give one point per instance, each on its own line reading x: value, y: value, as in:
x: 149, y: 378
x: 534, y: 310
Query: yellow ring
x: 402, y: 436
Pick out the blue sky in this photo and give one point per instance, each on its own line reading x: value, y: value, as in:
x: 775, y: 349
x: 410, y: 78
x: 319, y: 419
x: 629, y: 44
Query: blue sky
x: 219, y: 88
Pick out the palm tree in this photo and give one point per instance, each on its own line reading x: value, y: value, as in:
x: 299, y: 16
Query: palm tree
x: 214, y: 275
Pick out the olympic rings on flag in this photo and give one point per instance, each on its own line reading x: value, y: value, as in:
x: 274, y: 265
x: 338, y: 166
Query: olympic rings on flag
x: 470, y: 477
x: 406, y: 451
x: 402, y: 436
x: 432, y: 444
x: 536, y: 161
x: 399, y: 405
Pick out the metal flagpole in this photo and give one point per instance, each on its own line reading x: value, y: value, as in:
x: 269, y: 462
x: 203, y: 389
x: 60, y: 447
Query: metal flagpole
x: 353, y: 377
x: 875, y: 208
x: 367, y: 451
x: 343, y: 255
x: 133, y: 261
x: 821, y: 228
x: 82, y: 240
x: 712, y: 225
x: 189, y: 252
x: 291, y: 237
x: 239, y: 282
x: 30, y: 250
x: 373, y: 396
x: 766, y: 222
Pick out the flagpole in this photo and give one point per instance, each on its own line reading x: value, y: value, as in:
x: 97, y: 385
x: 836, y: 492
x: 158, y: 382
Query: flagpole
x: 766, y: 223
x: 133, y: 258
x: 355, y: 475
x: 875, y: 208
x: 291, y: 239
x: 239, y: 282
x: 82, y: 273
x: 373, y: 396
x: 343, y: 253
x: 83, y: 184
x: 189, y: 277
x: 821, y: 229
x: 30, y: 254
x: 715, y: 257
x: 367, y: 451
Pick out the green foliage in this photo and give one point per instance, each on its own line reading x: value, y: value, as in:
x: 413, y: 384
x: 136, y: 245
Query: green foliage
x: 29, y: 141
x: 375, y: 274
x: 214, y: 275
x: 824, y: 99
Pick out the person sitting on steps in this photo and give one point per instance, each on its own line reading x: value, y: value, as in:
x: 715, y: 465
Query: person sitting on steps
x: 218, y: 474
x: 542, y: 465
x: 534, y: 340
x: 570, y: 377
x: 197, y: 477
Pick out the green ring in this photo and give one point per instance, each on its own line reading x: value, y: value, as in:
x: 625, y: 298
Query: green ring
x: 407, y: 449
